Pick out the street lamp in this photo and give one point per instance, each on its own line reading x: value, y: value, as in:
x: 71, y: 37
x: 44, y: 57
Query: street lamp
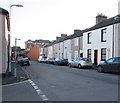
x: 16, y: 5
x: 15, y: 47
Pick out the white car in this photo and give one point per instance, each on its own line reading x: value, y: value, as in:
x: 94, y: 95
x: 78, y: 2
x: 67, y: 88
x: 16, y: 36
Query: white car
x: 42, y: 59
x: 80, y: 62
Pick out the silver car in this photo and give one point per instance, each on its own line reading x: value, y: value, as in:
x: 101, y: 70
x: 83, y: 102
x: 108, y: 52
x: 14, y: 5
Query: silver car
x: 80, y: 62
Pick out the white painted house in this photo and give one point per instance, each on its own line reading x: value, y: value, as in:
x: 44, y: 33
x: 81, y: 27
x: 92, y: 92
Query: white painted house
x: 102, y: 41
x: 67, y: 49
x: 4, y: 40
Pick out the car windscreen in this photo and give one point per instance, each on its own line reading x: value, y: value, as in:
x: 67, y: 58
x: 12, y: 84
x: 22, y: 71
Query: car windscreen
x: 44, y: 57
x: 117, y: 60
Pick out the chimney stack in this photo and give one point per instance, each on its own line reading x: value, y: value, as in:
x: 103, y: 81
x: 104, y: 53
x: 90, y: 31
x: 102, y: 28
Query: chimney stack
x: 63, y: 35
x: 57, y: 38
x: 76, y: 31
x: 100, y: 17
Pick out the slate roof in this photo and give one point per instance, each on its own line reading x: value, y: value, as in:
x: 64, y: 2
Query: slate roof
x: 101, y: 24
x: 104, y: 23
x: 3, y: 11
x: 78, y: 34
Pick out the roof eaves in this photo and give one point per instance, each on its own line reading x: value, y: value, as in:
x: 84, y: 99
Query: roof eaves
x: 104, y: 23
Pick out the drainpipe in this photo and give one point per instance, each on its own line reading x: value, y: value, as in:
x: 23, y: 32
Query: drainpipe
x: 113, y: 43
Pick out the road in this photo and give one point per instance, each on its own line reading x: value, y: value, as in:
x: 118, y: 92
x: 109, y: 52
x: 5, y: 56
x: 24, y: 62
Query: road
x: 61, y: 83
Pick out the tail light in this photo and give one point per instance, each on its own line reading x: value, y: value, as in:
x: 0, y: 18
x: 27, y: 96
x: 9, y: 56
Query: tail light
x: 83, y: 59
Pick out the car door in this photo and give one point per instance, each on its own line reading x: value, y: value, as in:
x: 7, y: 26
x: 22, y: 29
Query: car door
x: 109, y: 65
x: 74, y: 62
x: 115, y: 66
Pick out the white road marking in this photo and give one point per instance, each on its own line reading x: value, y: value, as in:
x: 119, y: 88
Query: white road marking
x: 33, y: 84
x: 39, y: 92
x: 30, y: 81
x: 35, y: 87
x: 44, y: 97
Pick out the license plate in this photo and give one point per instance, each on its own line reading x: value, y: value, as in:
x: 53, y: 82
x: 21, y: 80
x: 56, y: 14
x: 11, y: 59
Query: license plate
x: 25, y: 63
x: 87, y: 62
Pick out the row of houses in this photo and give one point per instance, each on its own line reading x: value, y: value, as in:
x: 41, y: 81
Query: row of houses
x: 99, y: 42
x: 4, y: 40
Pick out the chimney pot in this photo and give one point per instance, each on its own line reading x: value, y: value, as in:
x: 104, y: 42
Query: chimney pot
x: 100, y: 17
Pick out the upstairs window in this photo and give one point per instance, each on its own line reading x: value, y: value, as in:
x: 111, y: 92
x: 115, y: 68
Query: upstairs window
x: 89, y: 38
x: 76, y: 40
x: 103, y: 35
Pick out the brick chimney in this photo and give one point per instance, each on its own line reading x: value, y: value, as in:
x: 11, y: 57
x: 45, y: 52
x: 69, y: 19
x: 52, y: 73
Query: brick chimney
x: 57, y: 38
x: 100, y: 17
x: 63, y: 35
x: 76, y: 31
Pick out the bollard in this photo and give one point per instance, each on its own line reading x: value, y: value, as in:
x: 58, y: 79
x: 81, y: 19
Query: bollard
x: 15, y: 75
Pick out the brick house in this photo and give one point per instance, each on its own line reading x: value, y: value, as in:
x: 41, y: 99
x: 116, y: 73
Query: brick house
x: 34, y: 47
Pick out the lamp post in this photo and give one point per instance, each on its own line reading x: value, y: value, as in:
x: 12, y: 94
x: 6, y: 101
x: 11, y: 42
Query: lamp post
x: 16, y: 5
x: 16, y: 47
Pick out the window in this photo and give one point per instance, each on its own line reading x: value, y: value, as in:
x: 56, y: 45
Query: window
x: 117, y: 60
x: 59, y: 46
x: 111, y: 60
x: 76, y: 54
x: 103, y: 35
x: 89, y: 38
x: 76, y: 40
x: 89, y: 53
x: 103, y: 54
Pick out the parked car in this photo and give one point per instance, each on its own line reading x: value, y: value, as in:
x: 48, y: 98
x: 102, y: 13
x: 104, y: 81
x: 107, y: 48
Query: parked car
x: 24, y: 61
x: 80, y: 62
x: 61, y: 61
x: 19, y: 59
x: 50, y: 60
x: 110, y: 65
x: 42, y: 59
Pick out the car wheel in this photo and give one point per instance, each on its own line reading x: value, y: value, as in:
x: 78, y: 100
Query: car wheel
x: 100, y: 69
x: 79, y: 66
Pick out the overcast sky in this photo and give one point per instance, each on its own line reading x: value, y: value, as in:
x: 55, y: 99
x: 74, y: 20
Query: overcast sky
x: 46, y: 19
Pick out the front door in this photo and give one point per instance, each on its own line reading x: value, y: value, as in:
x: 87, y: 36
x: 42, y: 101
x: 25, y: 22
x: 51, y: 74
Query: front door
x: 95, y: 56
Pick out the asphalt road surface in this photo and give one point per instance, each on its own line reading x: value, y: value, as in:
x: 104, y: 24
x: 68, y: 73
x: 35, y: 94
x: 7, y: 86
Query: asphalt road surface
x: 61, y: 83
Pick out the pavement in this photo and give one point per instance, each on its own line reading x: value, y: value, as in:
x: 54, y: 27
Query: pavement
x: 21, y: 75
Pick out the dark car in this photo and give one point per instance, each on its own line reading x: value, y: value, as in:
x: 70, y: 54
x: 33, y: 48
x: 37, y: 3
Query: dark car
x: 61, y: 61
x: 110, y: 65
x: 19, y: 59
x: 24, y: 61
x: 50, y: 60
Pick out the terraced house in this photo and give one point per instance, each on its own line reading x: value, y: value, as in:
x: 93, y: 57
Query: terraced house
x: 65, y: 46
x: 102, y: 41
x: 98, y: 43
x: 4, y: 40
